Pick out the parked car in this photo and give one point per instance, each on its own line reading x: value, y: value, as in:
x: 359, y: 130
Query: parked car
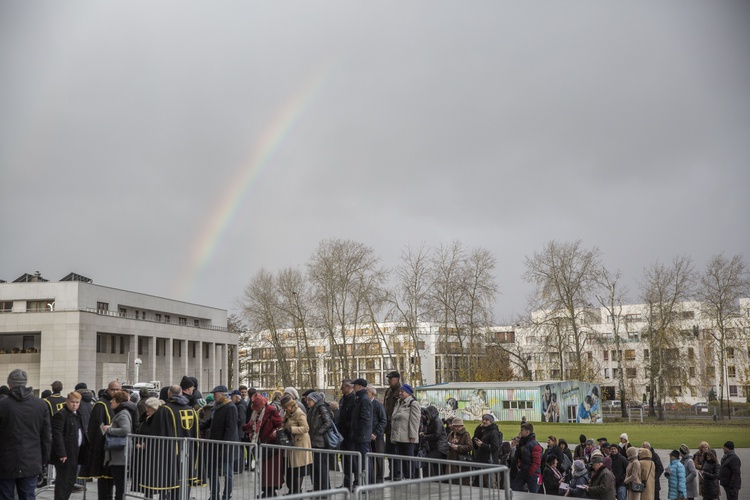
x: 700, y: 407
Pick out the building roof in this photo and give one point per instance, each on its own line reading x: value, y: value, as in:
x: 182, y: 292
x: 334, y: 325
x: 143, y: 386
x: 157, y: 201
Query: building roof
x: 516, y: 384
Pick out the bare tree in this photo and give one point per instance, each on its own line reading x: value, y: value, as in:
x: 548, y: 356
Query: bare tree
x: 409, y: 300
x: 722, y: 285
x: 664, y: 290
x: 611, y: 298
x: 261, y: 308
x: 481, y: 289
x: 236, y: 325
x: 565, y: 278
x: 340, y: 272
x: 295, y: 299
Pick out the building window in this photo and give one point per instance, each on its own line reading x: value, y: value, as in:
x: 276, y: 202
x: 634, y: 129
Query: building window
x: 692, y: 371
x: 39, y: 305
x: 177, y: 348
x: 606, y: 355
x: 141, y: 340
x: 196, y: 323
x: 157, y: 317
x: 630, y: 355
x: 606, y: 373
x: 646, y: 355
x: 688, y: 314
x: 691, y: 353
x: 710, y: 371
x: 113, y: 348
x: 192, y: 349
x: 137, y: 315
x: 183, y: 321
x: 123, y: 312
x: 730, y: 352
x: 99, y: 343
x: 102, y: 307
x: 733, y: 390
x: 167, y: 319
x: 6, y: 306
x: 122, y: 344
x: 731, y: 371
x: 631, y: 372
x: 205, y: 351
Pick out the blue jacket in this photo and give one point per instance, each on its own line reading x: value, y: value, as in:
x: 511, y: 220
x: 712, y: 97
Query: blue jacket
x: 677, y: 488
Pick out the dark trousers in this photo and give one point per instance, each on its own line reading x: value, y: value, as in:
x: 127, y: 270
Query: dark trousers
x: 118, y: 478
x: 104, y: 487
x: 405, y: 450
x: 376, y: 464
x: 65, y: 479
x: 346, y: 462
x: 363, y: 449
x: 394, y: 466
x: 24, y: 486
x: 731, y: 494
x: 521, y: 480
x: 320, y: 472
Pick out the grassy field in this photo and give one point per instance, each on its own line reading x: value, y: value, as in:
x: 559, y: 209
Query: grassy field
x: 669, y: 435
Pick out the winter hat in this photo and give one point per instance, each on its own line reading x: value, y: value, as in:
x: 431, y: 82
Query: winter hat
x: 674, y: 453
x: 489, y: 417
x: 407, y: 388
x: 286, y: 399
x: 81, y: 385
x: 209, y: 399
x: 729, y: 445
x: 457, y: 421
x: 292, y: 391
x: 201, y: 402
x: 579, y: 465
x: 360, y: 381
x: 315, y: 397
x: 582, y: 438
x: 684, y: 450
x: 597, y: 453
x: 17, y: 377
x: 186, y: 383
x: 624, y: 436
x: 154, y: 403
x: 393, y: 374
x: 597, y: 459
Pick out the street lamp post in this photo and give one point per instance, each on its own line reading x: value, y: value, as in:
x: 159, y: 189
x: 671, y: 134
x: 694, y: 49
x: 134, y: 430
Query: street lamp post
x: 138, y: 363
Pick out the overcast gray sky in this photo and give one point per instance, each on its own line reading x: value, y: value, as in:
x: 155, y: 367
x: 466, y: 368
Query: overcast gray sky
x: 175, y: 148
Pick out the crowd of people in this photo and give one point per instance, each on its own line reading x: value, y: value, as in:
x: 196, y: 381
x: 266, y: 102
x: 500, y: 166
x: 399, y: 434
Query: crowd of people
x: 620, y: 471
x: 82, y: 435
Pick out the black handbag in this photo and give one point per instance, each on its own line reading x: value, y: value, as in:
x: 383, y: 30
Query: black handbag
x: 114, y: 443
x: 283, y: 438
x: 637, y: 487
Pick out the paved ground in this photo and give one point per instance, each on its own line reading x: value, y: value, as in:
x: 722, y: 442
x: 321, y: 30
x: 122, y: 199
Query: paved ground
x: 243, y: 486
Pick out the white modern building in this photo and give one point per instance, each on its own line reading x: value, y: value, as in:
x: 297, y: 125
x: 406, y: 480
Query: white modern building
x: 692, y: 358
x: 75, y: 331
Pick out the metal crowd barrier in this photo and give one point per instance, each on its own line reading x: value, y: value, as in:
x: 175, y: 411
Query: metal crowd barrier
x: 453, y: 486
x: 489, y: 477
x: 326, y: 472
x: 199, y: 469
x: 188, y: 468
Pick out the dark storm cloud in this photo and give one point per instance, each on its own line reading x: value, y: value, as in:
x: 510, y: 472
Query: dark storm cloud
x: 505, y: 125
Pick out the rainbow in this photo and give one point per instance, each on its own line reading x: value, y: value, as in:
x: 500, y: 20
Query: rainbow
x: 221, y: 217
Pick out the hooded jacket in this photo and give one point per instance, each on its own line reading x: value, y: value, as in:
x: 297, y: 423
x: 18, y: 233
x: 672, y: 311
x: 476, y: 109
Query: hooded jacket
x: 691, y: 475
x: 320, y: 421
x: 648, y: 473
x: 710, y: 483
x: 491, y: 439
x: 435, y: 434
x: 25, y: 434
x: 677, y: 487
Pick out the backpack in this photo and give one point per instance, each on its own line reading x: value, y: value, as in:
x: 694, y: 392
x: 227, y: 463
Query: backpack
x: 333, y: 437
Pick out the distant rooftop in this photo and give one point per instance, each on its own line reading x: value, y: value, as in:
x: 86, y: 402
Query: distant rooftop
x: 37, y: 278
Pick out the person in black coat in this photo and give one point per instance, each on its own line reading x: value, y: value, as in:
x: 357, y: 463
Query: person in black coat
x: 87, y: 404
x: 222, y: 427
x: 435, y: 439
x: 67, y: 432
x: 619, y: 469
x: 236, y: 396
x: 377, y: 445
x: 730, y: 472
x: 360, y: 428
x: 93, y: 466
x: 320, y: 420
x: 25, y: 436
x: 710, y: 475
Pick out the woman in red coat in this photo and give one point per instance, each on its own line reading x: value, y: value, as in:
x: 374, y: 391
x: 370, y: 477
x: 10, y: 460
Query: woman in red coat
x: 261, y: 428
